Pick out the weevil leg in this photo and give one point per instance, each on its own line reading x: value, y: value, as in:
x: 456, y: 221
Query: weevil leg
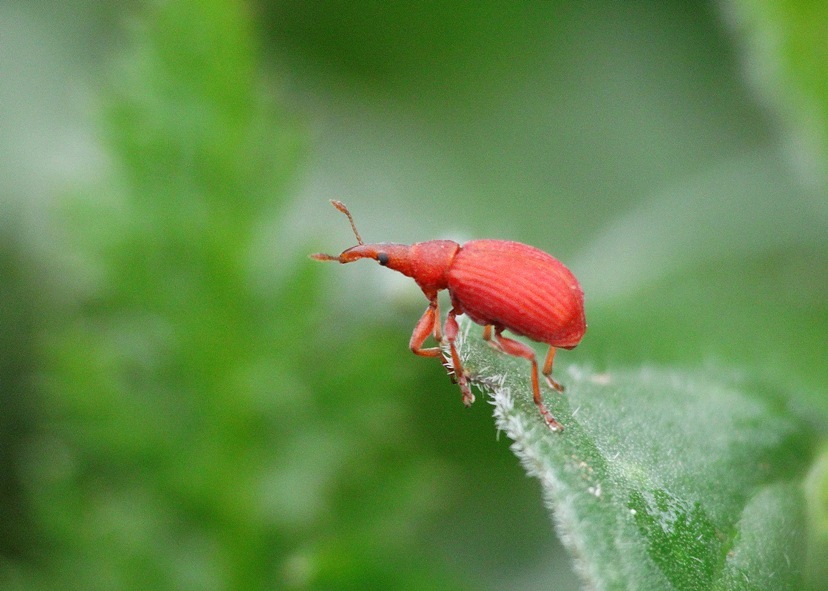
x: 451, y: 331
x: 518, y: 349
x: 487, y: 336
x: 427, y: 325
x: 547, y: 371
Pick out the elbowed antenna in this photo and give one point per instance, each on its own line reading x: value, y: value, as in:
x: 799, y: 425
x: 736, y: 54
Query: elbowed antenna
x: 344, y: 209
x: 321, y: 256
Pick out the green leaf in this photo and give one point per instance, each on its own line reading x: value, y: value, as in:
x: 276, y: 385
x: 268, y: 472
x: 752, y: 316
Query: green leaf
x: 662, y: 478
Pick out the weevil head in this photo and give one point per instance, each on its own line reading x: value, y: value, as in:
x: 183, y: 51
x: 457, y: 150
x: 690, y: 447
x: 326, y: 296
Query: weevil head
x: 426, y: 262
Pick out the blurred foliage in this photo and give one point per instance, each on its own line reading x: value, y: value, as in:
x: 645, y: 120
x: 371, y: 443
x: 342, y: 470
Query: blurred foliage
x: 188, y: 402
x: 785, y: 48
x: 665, y: 479
x: 18, y: 309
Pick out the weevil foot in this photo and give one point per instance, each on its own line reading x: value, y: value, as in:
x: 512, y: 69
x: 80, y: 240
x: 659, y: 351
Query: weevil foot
x: 557, y: 386
x: 468, y: 398
x: 465, y: 389
x: 553, y: 424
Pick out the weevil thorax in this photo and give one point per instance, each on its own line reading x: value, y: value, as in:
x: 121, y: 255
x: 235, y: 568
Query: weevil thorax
x: 425, y: 262
x: 430, y: 263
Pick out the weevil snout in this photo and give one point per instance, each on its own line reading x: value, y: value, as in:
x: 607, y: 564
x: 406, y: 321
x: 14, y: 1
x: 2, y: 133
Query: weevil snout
x: 360, y: 251
x: 321, y: 256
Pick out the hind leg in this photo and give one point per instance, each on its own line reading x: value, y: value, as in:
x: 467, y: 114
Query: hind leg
x: 518, y: 349
x: 547, y: 371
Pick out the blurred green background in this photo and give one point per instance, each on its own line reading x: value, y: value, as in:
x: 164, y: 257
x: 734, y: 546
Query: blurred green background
x: 189, y: 403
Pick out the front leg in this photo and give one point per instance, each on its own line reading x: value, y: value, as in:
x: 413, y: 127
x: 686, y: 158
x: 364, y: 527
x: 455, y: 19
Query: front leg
x: 518, y: 349
x: 451, y: 331
x: 427, y: 326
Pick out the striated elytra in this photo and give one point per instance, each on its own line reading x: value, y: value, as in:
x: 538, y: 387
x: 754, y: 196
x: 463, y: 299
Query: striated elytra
x: 499, y: 284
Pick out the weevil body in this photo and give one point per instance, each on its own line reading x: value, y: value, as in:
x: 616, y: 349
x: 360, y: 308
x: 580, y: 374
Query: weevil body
x: 499, y: 284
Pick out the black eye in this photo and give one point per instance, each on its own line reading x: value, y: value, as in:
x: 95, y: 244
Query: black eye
x: 382, y: 258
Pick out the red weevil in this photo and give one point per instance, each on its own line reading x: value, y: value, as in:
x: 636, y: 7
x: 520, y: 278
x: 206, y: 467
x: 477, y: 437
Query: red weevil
x: 499, y: 284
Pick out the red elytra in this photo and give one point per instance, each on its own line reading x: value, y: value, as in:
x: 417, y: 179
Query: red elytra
x: 499, y: 284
